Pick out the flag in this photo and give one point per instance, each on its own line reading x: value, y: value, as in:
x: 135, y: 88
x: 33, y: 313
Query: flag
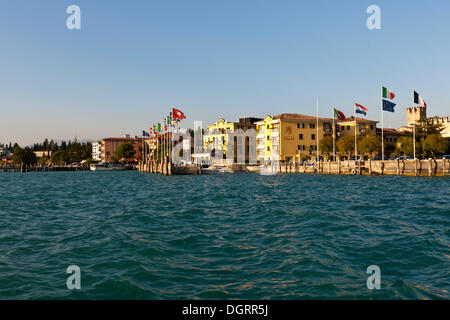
x: 177, y: 114
x: 387, y: 94
x: 169, y: 120
x: 388, y: 106
x: 360, y: 109
x: 159, y: 127
x: 145, y: 133
x: 339, y: 114
x: 419, y: 100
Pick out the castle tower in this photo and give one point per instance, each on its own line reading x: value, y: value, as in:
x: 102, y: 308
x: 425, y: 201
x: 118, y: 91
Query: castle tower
x: 415, y: 114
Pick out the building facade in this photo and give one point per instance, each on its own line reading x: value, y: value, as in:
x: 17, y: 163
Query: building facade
x: 45, y: 153
x: 290, y: 137
x: 217, y: 139
x: 347, y: 127
x: 110, y: 145
x: 287, y: 136
x: 97, y: 151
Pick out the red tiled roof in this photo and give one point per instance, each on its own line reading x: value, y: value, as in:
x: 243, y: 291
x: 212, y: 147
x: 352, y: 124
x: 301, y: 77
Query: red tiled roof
x: 122, y: 139
x: 295, y: 116
x: 351, y: 119
x: 390, y: 131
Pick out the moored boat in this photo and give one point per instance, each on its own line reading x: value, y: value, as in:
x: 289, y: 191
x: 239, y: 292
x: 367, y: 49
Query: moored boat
x: 107, y: 167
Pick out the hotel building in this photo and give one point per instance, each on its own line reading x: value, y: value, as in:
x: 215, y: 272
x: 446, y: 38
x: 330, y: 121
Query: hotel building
x: 288, y: 137
x: 218, y: 135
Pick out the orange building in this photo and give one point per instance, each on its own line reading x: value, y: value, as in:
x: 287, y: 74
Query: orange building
x: 109, y: 147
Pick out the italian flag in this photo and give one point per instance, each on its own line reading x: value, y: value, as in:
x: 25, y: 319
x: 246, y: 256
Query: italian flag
x: 387, y: 94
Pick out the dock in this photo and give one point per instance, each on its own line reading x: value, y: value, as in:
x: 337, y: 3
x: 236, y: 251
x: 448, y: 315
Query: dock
x: 428, y: 167
x: 167, y: 168
x: 40, y: 168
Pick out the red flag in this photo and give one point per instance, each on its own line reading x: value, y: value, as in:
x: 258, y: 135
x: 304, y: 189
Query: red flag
x: 177, y: 114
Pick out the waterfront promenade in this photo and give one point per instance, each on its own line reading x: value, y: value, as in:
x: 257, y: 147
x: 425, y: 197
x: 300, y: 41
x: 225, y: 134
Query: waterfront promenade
x: 429, y: 167
x: 439, y: 167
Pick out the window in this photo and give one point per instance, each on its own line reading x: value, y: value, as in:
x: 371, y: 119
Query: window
x: 268, y: 126
x: 268, y: 138
x: 343, y: 128
x: 300, y: 125
x: 312, y: 125
x: 371, y: 127
x: 348, y: 127
x: 300, y: 136
x: 313, y: 137
x: 268, y: 148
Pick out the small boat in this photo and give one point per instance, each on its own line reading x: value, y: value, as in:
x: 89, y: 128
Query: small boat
x: 216, y: 169
x: 107, y: 167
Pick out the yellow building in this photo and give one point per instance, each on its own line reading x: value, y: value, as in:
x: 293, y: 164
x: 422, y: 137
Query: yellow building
x: 347, y: 127
x: 288, y: 136
x: 217, y: 136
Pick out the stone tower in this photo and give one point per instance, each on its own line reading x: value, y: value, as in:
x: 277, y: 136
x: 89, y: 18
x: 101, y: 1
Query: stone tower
x: 415, y: 114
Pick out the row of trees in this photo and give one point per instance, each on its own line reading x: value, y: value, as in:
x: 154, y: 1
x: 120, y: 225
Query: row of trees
x: 69, y: 152
x: 65, y: 152
x: 429, y: 143
x: 369, y: 145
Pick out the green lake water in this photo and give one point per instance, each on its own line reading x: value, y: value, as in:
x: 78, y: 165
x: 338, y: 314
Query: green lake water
x: 224, y: 236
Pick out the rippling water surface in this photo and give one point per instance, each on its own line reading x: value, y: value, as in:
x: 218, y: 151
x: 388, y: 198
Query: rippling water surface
x: 231, y: 236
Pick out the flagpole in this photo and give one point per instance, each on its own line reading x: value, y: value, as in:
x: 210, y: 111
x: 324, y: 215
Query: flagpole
x: 414, y: 126
x: 356, y: 144
x: 382, y: 128
x: 317, y: 129
x: 334, y: 136
x: 165, y: 136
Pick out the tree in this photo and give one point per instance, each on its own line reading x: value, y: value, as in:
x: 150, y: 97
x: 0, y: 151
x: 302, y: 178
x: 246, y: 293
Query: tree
x: 25, y: 156
x: 346, y: 145
x: 370, y: 145
x: 405, y: 146
x: 60, y: 157
x: 424, y: 128
x: 435, y: 144
x: 326, y: 145
x: 43, y: 160
x: 124, y: 151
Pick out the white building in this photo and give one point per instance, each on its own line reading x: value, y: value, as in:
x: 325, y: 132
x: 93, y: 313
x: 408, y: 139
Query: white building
x: 96, y: 151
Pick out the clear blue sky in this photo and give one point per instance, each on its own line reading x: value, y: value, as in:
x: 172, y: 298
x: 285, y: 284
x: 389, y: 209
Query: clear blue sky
x: 133, y: 59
